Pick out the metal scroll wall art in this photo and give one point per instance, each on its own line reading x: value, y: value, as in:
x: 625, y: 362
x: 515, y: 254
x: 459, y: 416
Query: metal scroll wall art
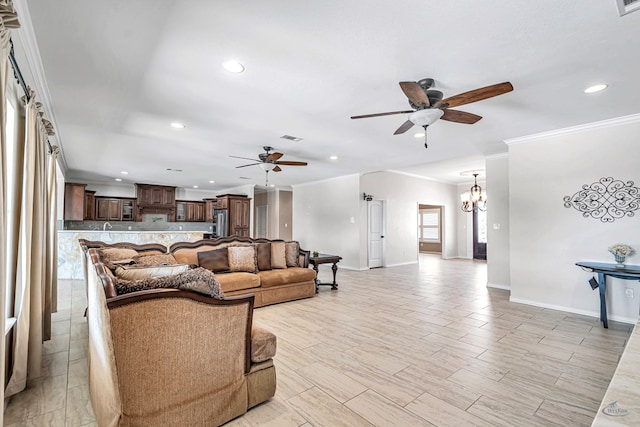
x: 607, y: 200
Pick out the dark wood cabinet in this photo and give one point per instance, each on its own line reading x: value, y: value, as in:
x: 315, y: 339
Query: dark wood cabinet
x: 239, y: 213
x: 108, y: 209
x: 187, y: 211
x: 159, y: 196
x: 74, y: 201
x: 209, y: 206
x: 89, y: 205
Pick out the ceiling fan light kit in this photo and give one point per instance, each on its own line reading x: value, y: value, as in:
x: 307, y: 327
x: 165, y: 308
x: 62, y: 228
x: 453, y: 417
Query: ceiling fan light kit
x: 428, y: 105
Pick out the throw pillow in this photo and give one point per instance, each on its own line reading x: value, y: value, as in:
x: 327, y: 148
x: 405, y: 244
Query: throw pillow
x: 292, y: 251
x: 109, y: 255
x: 278, y: 255
x: 198, y: 279
x: 243, y: 258
x: 264, y: 256
x: 216, y: 260
x: 137, y: 273
x: 155, y: 259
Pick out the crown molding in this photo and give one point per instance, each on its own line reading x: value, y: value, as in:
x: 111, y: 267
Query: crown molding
x: 31, y: 51
x: 633, y: 118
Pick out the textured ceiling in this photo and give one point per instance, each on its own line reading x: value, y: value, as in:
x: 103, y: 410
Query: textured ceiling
x: 120, y: 71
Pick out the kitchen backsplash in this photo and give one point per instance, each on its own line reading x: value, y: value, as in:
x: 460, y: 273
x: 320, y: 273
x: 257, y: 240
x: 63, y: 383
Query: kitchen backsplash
x: 147, y: 225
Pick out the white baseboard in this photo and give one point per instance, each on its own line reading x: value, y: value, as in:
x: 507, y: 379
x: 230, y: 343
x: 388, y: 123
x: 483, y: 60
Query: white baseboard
x: 348, y: 267
x: 401, y: 263
x: 499, y: 286
x: 589, y: 313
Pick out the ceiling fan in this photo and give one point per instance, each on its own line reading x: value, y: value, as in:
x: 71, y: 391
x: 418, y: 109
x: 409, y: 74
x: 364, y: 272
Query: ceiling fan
x: 428, y: 105
x: 269, y: 161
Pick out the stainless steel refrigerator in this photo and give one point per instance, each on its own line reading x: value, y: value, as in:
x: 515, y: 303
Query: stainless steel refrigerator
x: 222, y: 222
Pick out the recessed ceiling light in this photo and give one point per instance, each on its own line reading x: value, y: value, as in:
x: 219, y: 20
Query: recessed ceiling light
x: 272, y: 185
x: 418, y: 135
x: 212, y: 182
x: 124, y: 173
x: 177, y: 125
x: 195, y: 186
x: 233, y: 66
x: 595, y: 88
x: 118, y: 179
x: 333, y: 158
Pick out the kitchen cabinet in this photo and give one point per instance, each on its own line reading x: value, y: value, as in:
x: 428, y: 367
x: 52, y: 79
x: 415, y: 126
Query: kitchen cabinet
x: 89, y: 205
x: 156, y: 196
x: 74, y: 201
x: 128, y: 209
x: 209, y: 206
x: 239, y: 213
x: 190, y: 211
x: 108, y: 209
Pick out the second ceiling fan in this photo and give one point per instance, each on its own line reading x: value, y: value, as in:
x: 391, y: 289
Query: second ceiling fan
x: 269, y: 161
x: 428, y: 105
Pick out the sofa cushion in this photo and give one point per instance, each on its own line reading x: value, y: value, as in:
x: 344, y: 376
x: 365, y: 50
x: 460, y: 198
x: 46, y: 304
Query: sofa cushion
x: 243, y: 258
x: 263, y: 344
x: 278, y: 255
x: 198, y: 279
x: 216, y: 260
x: 155, y: 259
x: 288, y: 276
x: 144, y: 272
x: 264, y: 256
x: 230, y: 282
x: 291, y: 252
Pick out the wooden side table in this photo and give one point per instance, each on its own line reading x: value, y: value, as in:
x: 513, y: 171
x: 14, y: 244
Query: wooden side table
x: 318, y: 259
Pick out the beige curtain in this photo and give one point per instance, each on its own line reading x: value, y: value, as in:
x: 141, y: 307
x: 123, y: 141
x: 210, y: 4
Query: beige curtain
x: 32, y: 288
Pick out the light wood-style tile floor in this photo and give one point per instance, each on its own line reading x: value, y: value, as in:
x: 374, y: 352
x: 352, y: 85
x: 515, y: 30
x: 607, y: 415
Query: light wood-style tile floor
x: 415, y: 345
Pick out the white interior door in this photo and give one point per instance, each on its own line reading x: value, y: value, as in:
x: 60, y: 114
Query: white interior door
x: 375, y: 235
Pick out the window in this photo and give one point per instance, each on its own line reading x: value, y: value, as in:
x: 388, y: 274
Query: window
x: 429, y: 225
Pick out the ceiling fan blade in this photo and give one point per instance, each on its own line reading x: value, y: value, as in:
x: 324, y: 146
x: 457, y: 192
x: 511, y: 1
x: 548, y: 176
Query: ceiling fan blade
x: 245, y: 158
x: 405, y: 127
x: 276, y: 169
x: 274, y: 156
x: 364, y: 116
x: 476, y: 95
x: 251, y: 164
x: 415, y: 93
x: 459, y: 116
x: 288, y: 163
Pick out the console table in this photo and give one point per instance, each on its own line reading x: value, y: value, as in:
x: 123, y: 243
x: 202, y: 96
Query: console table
x: 318, y: 259
x: 628, y: 272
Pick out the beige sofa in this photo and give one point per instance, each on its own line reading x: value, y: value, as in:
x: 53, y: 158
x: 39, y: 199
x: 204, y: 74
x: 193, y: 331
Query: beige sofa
x: 274, y: 284
x: 172, y: 357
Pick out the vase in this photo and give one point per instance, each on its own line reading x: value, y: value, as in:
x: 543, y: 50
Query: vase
x: 619, y: 260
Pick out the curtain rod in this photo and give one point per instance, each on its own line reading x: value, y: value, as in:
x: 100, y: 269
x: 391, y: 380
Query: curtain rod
x: 18, y: 75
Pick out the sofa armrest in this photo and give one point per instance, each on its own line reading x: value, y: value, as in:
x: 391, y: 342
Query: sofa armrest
x: 303, y: 258
x: 263, y: 344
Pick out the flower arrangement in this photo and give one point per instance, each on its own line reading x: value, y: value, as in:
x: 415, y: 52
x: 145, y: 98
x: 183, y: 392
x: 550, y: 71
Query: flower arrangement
x: 621, y: 249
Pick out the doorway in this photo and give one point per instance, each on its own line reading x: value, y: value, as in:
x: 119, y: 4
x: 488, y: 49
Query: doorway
x: 375, y: 233
x: 479, y: 234
x: 429, y: 229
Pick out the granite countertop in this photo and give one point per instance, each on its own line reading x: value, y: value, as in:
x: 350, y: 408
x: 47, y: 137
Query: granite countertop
x: 130, y: 231
x: 621, y: 403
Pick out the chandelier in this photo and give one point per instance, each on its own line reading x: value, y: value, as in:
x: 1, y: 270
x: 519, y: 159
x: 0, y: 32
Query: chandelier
x: 475, y: 198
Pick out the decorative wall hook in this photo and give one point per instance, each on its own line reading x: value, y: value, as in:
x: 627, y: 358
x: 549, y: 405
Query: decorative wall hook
x: 607, y: 200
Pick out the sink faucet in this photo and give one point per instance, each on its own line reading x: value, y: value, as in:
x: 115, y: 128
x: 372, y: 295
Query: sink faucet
x: 104, y: 226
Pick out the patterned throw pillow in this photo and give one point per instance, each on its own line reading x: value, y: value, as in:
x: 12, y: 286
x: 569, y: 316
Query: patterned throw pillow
x: 155, y: 259
x: 198, y: 279
x: 278, y: 255
x: 243, y: 258
x: 292, y: 251
x: 137, y: 273
x: 216, y: 260
x: 109, y: 255
x: 264, y: 256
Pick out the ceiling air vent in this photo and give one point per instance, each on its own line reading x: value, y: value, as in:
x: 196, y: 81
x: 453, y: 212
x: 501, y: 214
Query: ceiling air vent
x: 295, y: 138
x: 627, y: 6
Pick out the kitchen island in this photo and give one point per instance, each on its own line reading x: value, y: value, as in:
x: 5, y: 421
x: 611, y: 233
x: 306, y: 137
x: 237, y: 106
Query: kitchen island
x: 70, y: 254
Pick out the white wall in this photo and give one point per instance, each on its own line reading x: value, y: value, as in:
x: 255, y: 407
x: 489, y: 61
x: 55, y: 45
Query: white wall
x: 498, y: 266
x: 322, y: 216
x: 547, y: 238
x: 402, y: 194
x: 464, y: 225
